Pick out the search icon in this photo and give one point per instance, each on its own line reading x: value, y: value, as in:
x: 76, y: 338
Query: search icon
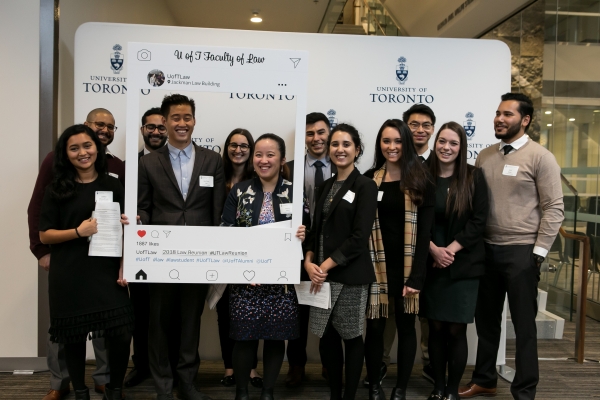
x: 174, y: 274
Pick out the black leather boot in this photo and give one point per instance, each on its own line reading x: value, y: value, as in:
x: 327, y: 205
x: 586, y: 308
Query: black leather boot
x: 241, y: 394
x: 266, y: 394
x: 436, y: 395
x: 82, y: 394
x: 451, y: 397
x: 398, y: 394
x: 112, y: 394
x: 376, y: 392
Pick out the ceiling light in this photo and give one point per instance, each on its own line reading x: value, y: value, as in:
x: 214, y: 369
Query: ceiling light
x: 571, y: 119
x: 255, y: 18
x: 596, y: 110
x: 548, y: 112
x: 548, y: 124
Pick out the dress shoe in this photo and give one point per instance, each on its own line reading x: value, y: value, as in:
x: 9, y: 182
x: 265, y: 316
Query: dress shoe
x: 189, y: 392
x: 82, y: 394
x: 113, y: 394
x: 295, y: 376
x: 56, y: 394
x: 382, y: 375
x: 474, y: 390
x: 398, y: 394
x: 166, y: 396
x: 99, y: 388
x: 228, y: 380
x: 257, y: 382
x: 436, y: 395
x: 428, y: 373
x: 266, y: 394
x: 241, y: 394
x: 376, y: 392
x: 135, y: 377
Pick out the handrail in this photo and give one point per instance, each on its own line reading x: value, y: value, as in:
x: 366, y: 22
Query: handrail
x: 581, y: 294
x: 366, y: 3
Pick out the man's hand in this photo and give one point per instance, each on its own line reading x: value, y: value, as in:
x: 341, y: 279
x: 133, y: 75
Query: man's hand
x: 44, y: 262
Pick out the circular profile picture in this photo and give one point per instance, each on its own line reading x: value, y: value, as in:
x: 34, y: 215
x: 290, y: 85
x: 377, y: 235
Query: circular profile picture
x: 156, y: 77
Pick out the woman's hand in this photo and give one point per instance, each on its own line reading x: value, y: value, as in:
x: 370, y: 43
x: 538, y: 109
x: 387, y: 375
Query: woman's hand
x: 125, y: 220
x: 407, y: 291
x: 121, y: 281
x: 441, y: 255
x: 316, y: 275
x: 88, y: 227
x: 301, y: 233
x: 315, y: 288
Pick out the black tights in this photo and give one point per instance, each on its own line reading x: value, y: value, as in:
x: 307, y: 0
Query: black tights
x: 117, y: 349
x: 332, y: 357
x: 448, y: 346
x: 244, y: 354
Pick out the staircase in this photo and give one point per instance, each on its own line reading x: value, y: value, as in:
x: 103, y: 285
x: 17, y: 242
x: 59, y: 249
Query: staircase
x: 347, y: 29
x: 549, y: 326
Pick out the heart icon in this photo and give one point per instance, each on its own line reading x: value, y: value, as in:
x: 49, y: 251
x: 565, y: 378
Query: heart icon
x: 249, y: 275
x: 141, y: 233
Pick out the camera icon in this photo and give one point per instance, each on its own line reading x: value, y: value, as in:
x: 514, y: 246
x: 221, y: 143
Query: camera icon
x: 144, y: 55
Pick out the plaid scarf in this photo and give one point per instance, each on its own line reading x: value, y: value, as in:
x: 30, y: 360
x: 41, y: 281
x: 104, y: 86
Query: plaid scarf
x: 378, y: 291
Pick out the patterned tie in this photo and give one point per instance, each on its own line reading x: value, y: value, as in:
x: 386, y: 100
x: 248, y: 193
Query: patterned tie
x: 319, y: 174
x: 507, y: 149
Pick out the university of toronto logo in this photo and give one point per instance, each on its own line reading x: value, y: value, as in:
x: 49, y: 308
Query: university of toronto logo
x: 116, y: 59
x: 469, y: 125
x: 401, y: 71
x: 333, y: 121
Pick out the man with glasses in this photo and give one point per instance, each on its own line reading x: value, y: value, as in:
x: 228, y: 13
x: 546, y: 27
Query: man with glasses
x: 153, y: 131
x: 102, y: 122
x: 421, y: 121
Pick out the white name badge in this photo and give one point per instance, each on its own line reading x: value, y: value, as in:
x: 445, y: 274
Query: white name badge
x: 349, y: 196
x: 113, y: 175
x: 379, y: 195
x: 104, y: 197
x: 206, y: 181
x: 510, y: 170
x: 285, y: 208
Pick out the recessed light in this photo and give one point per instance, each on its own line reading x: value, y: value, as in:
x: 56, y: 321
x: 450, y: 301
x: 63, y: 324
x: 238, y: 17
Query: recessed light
x: 548, y: 124
x: 571, y: 119
x: 596, y: 110
x: 548, y: 112
x: 255, y: 18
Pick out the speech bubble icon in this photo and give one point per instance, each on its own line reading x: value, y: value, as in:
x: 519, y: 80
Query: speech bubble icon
x: 154, y: 234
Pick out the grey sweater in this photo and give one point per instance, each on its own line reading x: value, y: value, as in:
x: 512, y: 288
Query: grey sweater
x: 526, y: 208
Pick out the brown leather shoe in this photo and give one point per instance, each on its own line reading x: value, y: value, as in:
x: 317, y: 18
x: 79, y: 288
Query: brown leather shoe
x: 474, y: 390
x: 56, y: 394
x: 99, y: 389
x: 294, y: 376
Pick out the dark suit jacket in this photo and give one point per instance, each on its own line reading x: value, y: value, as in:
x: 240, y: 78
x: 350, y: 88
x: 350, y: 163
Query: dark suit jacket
x: 140, y: 154
x: 468, y: 231
x: 160, y: 201
x: 346, y: 230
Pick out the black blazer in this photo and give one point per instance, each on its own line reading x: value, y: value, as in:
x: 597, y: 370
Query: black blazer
x: 346, y: 230
x: 160, y: 201
x: 468, y: 231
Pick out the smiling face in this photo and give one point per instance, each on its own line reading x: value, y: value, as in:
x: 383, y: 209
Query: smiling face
x: 238, y: 149
x: 154, y: 139
x: 82, y: 152
x: 447, y: 146
x: 422, y: 129
x: 316, y: 138
x: 267, y: 160
x: 391, y: 144
x: 509, y: 124
x: 103, y: 124
x: 342, y: 150
x: 180, y: 125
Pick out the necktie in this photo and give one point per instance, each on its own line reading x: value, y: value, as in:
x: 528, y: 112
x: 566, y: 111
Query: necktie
x: 507, y: 149
x: 422, y: 158
x: 319, y: 174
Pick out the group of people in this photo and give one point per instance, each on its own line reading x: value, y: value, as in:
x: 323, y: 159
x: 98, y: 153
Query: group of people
x: 421, y: 233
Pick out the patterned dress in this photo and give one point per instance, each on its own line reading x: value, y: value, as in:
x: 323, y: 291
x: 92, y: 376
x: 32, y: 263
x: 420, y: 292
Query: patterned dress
x: 267, y: 312
x: 348, y: 302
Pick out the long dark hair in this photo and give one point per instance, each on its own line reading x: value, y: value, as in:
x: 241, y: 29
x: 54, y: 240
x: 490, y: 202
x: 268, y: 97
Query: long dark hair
x: 462, y: 185
x: 63, y: 185
x: 414, y: 177
x: 285, y: 174
x: 228, y: 165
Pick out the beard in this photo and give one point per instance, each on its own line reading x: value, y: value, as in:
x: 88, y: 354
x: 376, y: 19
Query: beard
x: 154, y: 147
x: 511, y: 132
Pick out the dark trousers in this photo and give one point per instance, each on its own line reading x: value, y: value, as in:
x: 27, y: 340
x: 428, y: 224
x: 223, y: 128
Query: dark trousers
x: 296, y: 348
x: 139, y: 294
x: 509, y: 270
x: 166, y: 300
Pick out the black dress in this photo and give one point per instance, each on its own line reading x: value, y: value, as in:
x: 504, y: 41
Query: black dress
x: 446, y: 299
x: 83, y: 290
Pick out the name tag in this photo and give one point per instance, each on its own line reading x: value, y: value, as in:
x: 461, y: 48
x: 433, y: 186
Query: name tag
x: 379, y: 195
x: 207, y: 181
x: 285, y: 208
x: 104, y: 197
x: 113, y: 175
x: 510, y: 170
x: 349, y: 196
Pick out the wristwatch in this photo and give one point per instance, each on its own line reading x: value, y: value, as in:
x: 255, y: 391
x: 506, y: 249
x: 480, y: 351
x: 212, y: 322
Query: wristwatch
x: 538, y: 259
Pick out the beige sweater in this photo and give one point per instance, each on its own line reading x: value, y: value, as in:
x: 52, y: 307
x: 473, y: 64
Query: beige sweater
x: 526, y: 208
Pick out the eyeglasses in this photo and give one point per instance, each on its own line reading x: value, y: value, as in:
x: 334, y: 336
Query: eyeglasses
x: 425, y: 125
x: 152, y: 127
x: 102, y: 125
x: 234, y: 146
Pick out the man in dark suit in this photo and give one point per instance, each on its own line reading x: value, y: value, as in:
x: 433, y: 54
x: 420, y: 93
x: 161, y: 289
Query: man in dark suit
x: 154, y: 134
x: 317, y: 169
x: 178, y: 184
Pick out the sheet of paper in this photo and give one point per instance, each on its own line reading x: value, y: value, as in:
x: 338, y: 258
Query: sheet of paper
x: 322, y: 299
x: 108, y: 241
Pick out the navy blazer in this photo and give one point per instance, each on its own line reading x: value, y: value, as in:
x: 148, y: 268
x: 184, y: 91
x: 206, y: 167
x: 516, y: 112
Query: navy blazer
x: 346, y: 230
x: 468, y: 230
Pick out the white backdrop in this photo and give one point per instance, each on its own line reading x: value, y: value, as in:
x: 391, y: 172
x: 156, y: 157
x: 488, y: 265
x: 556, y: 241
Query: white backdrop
x: 353, y: 79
